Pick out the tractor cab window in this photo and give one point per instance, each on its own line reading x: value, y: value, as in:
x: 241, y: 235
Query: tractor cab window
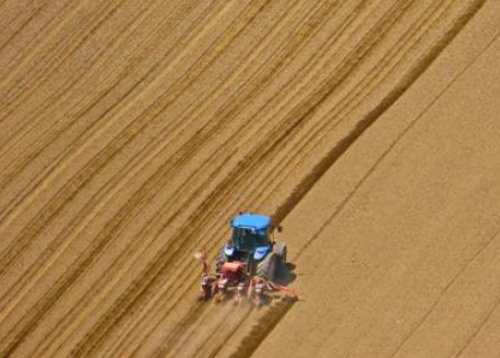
x: 248, y: 239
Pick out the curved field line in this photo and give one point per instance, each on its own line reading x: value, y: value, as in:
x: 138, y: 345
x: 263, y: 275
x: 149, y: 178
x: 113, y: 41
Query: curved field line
x: 82, y: 81
x: 223, y: 145
x: 11, y: 346
x: 18, y: 166
x: 147, y: 282
x: 61, y: 95
x: 49, y: 250
x: 152, y: 272
x: 42, y: 180
x: 476, y: 8
x: 94, y: 135
x: 113, y: 189
x: 84, y: 176
x: 21, y: 63
x: 349, y: 103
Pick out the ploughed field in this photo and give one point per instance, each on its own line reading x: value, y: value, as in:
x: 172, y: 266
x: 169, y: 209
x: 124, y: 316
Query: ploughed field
x: 131, y: 132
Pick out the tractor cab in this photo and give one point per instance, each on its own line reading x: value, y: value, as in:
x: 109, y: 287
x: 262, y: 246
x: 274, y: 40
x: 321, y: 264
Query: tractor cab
x: 252, y: 243
x: 252, y: 236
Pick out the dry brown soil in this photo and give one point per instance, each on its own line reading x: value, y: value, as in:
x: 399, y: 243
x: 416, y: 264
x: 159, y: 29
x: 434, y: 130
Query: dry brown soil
x: 132, y: 131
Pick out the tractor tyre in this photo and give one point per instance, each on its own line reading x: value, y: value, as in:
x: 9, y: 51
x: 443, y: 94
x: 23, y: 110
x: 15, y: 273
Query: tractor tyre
x: 267, y: 267
x: 280, y: 253
x: 221, y: 260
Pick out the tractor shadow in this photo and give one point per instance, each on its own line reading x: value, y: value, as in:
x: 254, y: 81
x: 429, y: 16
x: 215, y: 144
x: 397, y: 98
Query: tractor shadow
x: 287, y: 276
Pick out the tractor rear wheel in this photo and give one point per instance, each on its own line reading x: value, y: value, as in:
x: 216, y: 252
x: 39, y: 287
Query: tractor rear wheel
x: 280, y: 253
x: 267, y: 267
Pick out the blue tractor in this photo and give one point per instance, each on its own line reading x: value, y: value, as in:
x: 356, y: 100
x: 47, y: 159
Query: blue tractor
x: 252, y: 242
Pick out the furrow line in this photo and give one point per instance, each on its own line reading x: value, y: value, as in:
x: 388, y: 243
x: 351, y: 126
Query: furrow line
x: 83, y: 177
x: 160, y: 265
x: 13, y: 345
x: 63, y: 94
x: 34, y: 51
x: 463, y: 23
x: 64, y: 159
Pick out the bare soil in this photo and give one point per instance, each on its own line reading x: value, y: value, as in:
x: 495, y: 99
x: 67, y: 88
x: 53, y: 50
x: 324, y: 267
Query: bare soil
x: 132, y: 131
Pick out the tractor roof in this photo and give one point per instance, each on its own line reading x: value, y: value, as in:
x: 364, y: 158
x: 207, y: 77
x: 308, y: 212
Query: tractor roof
x: 255, y: 221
